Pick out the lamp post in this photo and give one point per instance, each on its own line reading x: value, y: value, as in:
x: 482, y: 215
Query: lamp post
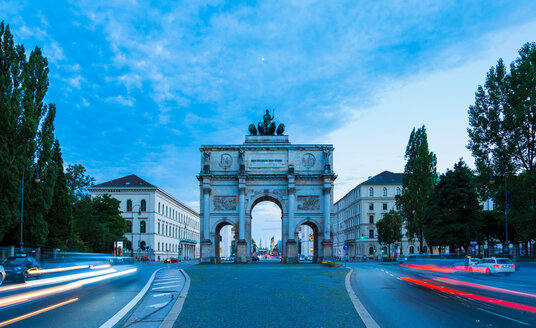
x: 492, y: 181
x: 22, y: 207
x: 132, y: 229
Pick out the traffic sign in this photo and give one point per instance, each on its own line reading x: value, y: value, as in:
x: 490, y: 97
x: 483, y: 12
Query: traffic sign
x: 345, y: 247
x: 474, y: 242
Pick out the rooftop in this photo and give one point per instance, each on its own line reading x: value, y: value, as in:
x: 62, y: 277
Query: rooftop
x: 128, y: 181
x: 385, y: 177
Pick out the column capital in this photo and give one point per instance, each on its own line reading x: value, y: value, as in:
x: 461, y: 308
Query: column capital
x: 291, y: 190
x: 326, y: 189
x: 206, y: 190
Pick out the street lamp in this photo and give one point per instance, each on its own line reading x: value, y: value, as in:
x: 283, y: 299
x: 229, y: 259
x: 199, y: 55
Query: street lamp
x: 492, y: 181
x: 132, y: 229
x: 36, y: 180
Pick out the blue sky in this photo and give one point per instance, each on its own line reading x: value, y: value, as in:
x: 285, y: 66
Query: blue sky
x: 140, y: 85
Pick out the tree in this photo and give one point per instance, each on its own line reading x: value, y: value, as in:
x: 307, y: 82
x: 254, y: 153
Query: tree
x: 59, y: 216
x: 453, y: 216
x: 417, y: 184
x: 502, y: 135
x: 253, y: 245
x: 26, y: 140
x: 98, y: 222
x: 77, y: 181
x: 390, y: 229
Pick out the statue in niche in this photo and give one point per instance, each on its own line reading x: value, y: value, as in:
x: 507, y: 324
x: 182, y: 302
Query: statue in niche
x: 267, y: 127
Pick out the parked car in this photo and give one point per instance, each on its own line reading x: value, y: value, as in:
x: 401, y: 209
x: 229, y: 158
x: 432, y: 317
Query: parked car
x: 20, y: 267
x: 168, y: 260
x: 2, y: 274
x: 497, y: 265
x: 254, y: 258
x: 174, y: 260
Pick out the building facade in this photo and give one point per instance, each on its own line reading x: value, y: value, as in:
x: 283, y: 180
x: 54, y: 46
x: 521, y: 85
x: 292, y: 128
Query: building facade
x: 159, y: 226
x: 357, y: 213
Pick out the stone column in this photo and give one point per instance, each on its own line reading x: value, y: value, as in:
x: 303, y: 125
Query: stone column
x: 327, y: 243
x: 241, y: 245
x: 206, y: 244
x: 327, y: 212
x: 206, y: 213
x: 292, y: 246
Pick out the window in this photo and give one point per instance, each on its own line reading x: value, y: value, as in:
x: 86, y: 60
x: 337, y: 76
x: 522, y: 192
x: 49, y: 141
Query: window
x: 371, y: 219
x: 384, y: 192
x: 142, y: 226
x: 129, y: 205
x: 385, y: 206
x: 425, y: 249
x: 398, y: 207
x: 371, y: 234
x: 371, y: 192
x: 371, y: 250
x: 158, y: 227
x: 158, y: 207
x: 166, y: 211
x: 398, y: 190
x: 411, y: 250
x: 143, y: 206
x: 371, y: 206
x: 158, y: 245
x: 129, y: 226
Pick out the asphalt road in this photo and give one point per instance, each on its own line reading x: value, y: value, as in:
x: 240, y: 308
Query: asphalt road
x: 395, y: 302
x: 96, y: 302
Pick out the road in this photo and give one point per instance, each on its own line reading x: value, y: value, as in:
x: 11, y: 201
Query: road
x: 90, y: 305
x: 400, y: 297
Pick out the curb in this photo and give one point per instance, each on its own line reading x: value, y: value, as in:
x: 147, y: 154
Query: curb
x: 360, y: 309
x: 172, y: 316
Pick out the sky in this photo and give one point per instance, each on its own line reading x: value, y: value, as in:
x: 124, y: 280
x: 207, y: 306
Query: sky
x: 139, y: 86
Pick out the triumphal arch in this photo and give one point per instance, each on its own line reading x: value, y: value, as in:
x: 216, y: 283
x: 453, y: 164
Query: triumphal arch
x: 266, y: 167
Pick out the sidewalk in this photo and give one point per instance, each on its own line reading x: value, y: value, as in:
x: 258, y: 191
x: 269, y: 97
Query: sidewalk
x: 267, y: 295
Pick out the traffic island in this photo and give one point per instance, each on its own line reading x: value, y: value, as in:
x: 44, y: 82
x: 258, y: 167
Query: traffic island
x: 268, y: 295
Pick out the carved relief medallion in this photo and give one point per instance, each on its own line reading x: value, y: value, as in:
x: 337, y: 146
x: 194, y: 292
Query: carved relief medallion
x: 308, y: 203
x: 308, y: 160
x: 225, y: 161
x: 224, y: 203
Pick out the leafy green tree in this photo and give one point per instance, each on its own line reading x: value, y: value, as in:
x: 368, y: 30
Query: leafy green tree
x: 77, y: 181
x: 98, y: 222
x: 502, y: 137
x: 26, y: 141
x: 453, y: 216
x: 417, y: 184
x: 59, y: 216
x: 390, y: 229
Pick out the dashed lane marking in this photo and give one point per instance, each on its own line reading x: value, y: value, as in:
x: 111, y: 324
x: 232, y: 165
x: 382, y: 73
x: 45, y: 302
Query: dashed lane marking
x: 172, y: 316
x: 503, y: 316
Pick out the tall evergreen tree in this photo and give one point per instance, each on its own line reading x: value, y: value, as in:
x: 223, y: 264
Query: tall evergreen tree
x: 417, y: 184
x: 453, y: 215
x: 26, y: 140
x: 59, y: 216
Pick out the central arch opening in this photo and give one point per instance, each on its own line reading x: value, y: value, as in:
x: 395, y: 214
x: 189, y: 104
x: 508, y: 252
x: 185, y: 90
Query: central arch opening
x: 266, y: 230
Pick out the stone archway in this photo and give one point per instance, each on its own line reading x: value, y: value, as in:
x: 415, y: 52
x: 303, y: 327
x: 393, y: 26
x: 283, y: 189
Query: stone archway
x: 217, y: 237
x: 317, y: 236
x: 249, y: 223
x: 234, y: 178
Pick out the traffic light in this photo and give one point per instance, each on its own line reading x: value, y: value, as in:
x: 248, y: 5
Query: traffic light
x: 362, y: 236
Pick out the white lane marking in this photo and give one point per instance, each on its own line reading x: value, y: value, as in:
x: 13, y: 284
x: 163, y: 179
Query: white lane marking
x: 119, y: 315
x: 503, y: 316
x: 361, y: 311
x: 167, y: 282
x: 163, y: 287
x: 161, y: 294
x: 391, y: 275
x: 159, y: 305
x: 172, y: 316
